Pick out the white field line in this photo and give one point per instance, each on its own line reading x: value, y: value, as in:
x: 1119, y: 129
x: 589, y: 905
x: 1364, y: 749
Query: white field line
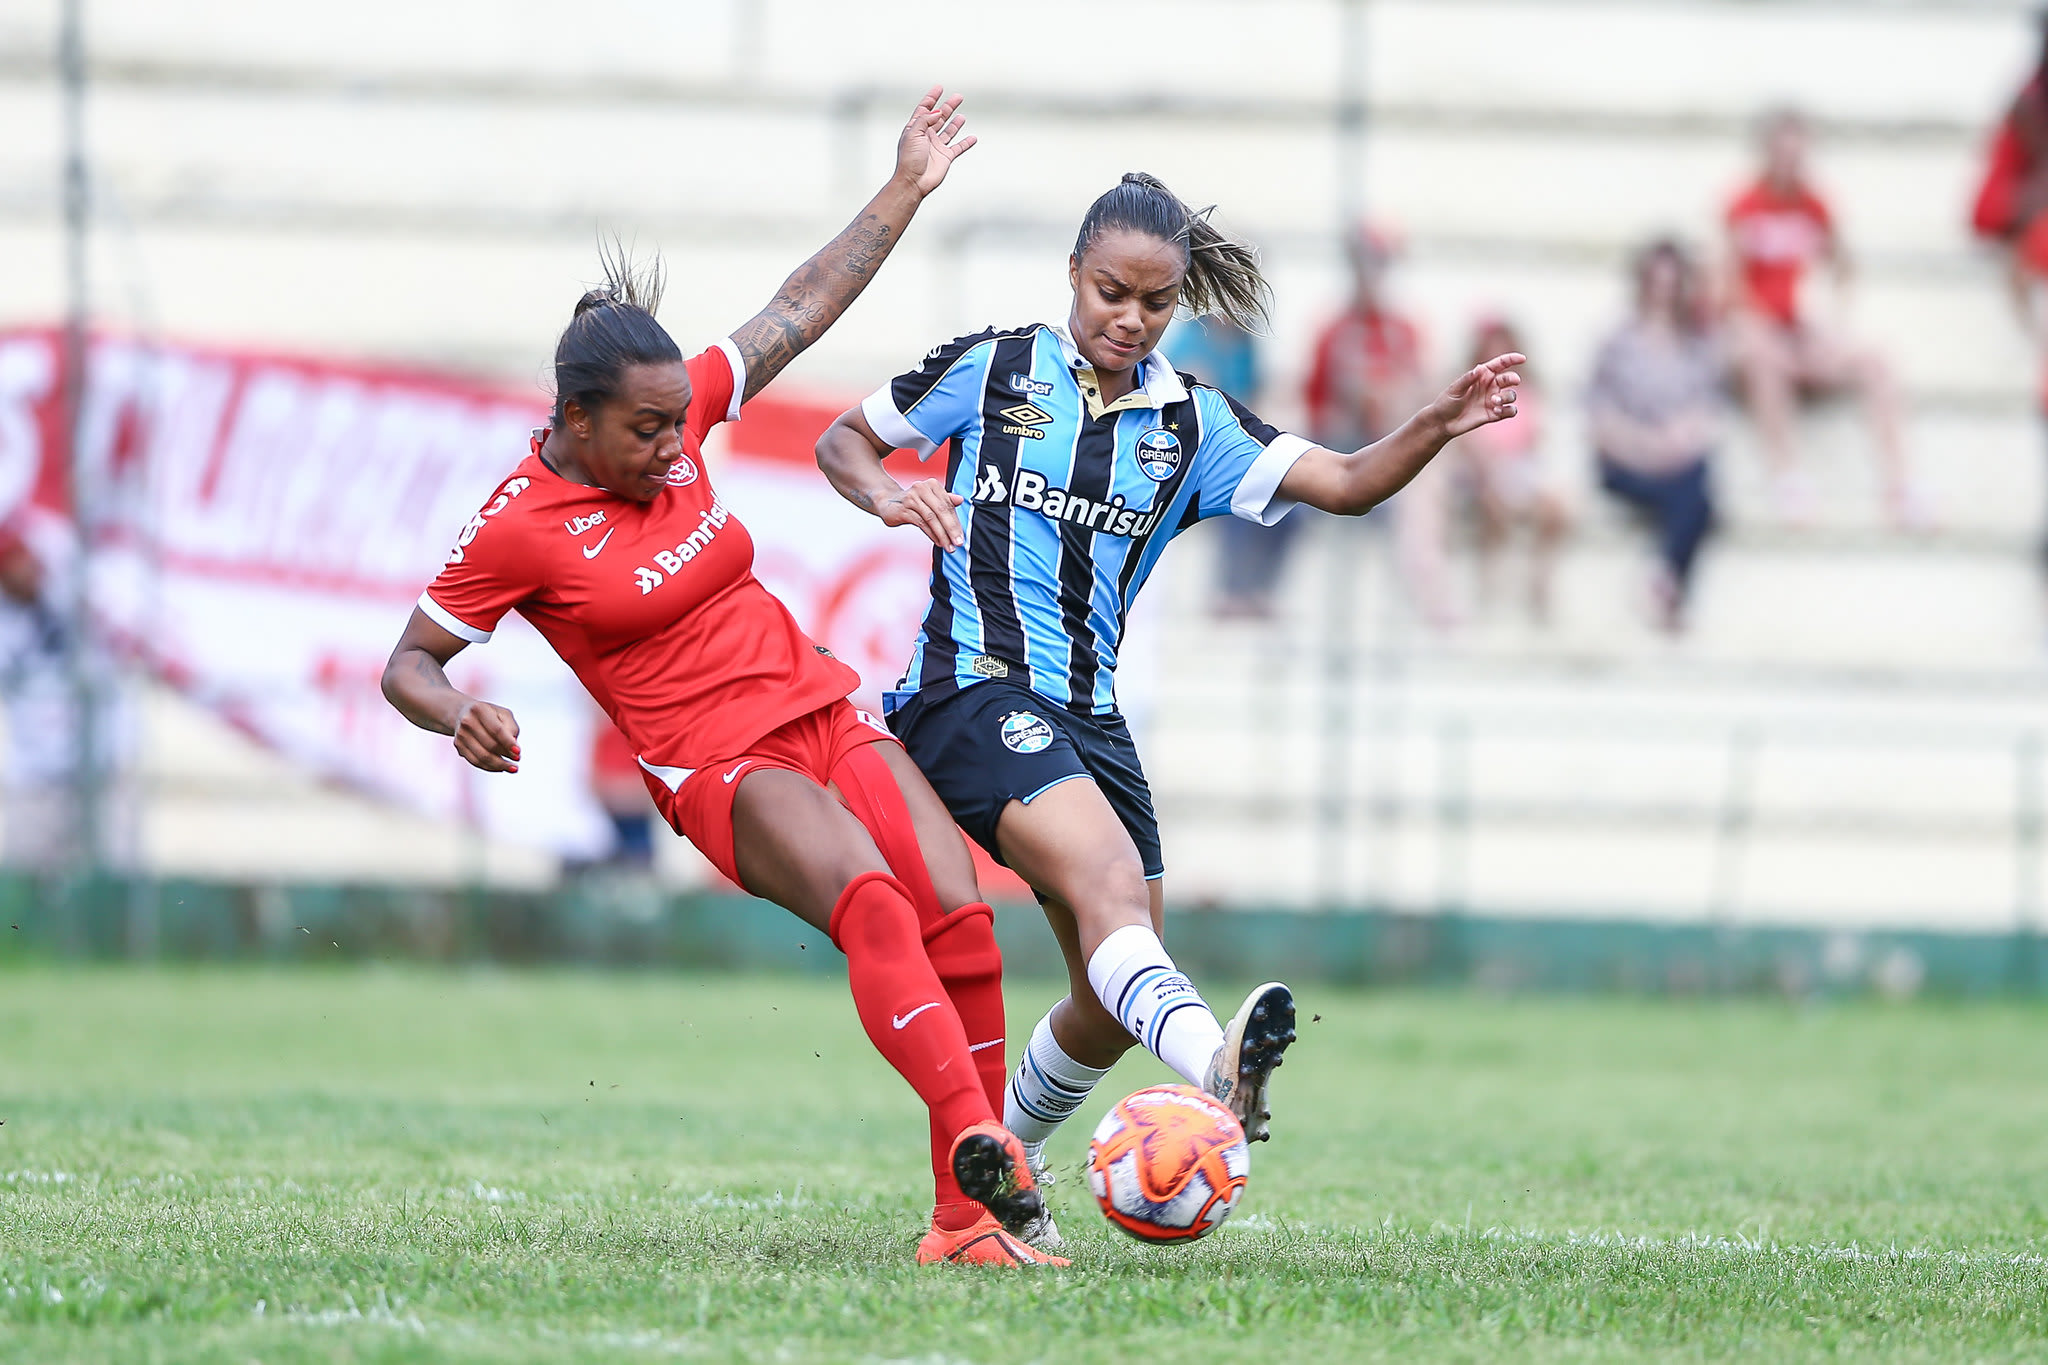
x: 1738, y: 1245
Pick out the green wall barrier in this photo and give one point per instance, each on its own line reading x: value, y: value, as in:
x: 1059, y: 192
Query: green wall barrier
x: 621, y: 922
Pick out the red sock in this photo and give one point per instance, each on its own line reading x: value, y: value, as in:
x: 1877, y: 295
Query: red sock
x: 961, y: 946
x: 963, y: 952
x: 902, y: 1005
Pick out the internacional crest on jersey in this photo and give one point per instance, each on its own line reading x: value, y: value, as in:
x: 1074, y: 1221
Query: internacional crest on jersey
x: 1069, y: 502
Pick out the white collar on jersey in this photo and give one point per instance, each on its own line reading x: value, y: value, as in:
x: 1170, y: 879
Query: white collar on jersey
x: 1156, y: 379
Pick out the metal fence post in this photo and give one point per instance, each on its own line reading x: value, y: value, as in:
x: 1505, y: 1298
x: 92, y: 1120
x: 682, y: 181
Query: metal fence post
x: 1453, y: 813
x: 1732, y: 838
x: 2026, y: 884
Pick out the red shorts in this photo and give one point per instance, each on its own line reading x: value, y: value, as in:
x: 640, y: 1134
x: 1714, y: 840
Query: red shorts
x: 699, y: 806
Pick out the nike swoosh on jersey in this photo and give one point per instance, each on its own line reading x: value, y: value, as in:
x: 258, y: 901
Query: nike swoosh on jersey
x: 899, y: 1020
x: 737, y: 771
x: 592, y: 551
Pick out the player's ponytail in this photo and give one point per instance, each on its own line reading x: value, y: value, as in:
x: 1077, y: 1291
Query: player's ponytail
x: 613, y: 328
x: 1223, y: 273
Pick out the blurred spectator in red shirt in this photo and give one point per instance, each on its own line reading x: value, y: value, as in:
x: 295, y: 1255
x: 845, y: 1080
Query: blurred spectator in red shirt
x: 1511, y: 487
x: 2014, y: 188
x: 2010, y: 205
x: 1778, y: 230
x: 1655, y: 409
x: 1366, y: 376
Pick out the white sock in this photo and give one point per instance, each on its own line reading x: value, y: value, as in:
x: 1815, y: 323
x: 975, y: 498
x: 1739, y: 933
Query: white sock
x: 1138, y: 983
x: 1048, y: 1087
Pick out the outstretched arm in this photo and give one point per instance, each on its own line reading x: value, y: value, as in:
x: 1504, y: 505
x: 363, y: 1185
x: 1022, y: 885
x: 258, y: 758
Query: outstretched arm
x: 851, y: 455
x: 486, y: 736
x: 823, y: 287
x: 1352, y: 485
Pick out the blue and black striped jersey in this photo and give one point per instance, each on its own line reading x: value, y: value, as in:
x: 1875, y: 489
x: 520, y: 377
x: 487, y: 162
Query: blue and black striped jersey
x: 1069, y: 502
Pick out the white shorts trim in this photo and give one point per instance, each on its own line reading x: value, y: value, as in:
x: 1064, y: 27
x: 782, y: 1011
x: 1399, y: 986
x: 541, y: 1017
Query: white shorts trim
x: 1256, y: 498
x: 892, y: 426
x: 450, y: 622
x: 739, y: 377
x: 672, y: 778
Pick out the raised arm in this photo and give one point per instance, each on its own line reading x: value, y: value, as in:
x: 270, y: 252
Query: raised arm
x: 823, y: 287
x: 415, y: 682
x: 1352, y: 485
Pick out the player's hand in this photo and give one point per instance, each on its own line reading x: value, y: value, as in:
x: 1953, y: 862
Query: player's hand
x: 1483, y: 394
x: 929, y: 507
x: 487, y: 737
x: 931, y: 140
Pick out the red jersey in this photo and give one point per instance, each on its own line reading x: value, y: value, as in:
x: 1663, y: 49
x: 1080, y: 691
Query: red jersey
x: 654, y: 605
x: 1776, y: 237
x: 1362, y: 361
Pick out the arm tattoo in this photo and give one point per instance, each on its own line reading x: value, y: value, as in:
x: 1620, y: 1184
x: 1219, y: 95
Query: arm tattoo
x: 812, y: 299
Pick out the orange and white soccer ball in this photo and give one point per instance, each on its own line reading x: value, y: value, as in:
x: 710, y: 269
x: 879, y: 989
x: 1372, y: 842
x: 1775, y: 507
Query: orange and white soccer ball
x: 1168, y: 1163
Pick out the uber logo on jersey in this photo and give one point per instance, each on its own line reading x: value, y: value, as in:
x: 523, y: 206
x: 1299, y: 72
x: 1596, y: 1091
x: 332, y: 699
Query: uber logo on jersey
x: 682, y: 473
x: 1158, y: 454
x: 1024, y: 419
x: 1024, y: 383
x: 1025, y: 733
x: 576, y: 526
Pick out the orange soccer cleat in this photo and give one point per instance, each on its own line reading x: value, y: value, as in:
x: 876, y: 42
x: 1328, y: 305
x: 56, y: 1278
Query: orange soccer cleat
x: 985, y: 1243
x: 993, y: 1171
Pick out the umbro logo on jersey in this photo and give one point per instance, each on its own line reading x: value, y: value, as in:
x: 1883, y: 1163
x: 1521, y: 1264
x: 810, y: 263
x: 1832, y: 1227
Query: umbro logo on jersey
x: 576, y: 526
x: 682, y: 473
x: 670, y: 562
x: 1024, y: 419
x: 1112, y: 518
x: 1024, y: 383
x: 593, y: 551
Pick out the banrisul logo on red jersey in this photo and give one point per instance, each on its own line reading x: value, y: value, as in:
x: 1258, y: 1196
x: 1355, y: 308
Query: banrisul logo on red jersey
x: 669, y: 563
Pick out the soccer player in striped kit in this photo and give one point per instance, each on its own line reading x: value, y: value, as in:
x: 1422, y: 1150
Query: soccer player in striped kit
x: 1073, y: 456
x: 610, y: 539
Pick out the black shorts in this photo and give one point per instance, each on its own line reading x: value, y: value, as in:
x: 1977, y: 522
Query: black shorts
x: 994, y: 742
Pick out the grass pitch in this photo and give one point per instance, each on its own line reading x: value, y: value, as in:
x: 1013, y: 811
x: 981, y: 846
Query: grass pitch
x: 377, y: 1165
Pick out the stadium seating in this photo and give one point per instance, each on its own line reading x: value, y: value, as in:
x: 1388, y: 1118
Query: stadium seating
x: 1846, y: 734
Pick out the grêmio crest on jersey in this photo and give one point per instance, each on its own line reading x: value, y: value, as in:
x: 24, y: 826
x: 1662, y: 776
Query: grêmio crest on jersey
x: 1158, y: 452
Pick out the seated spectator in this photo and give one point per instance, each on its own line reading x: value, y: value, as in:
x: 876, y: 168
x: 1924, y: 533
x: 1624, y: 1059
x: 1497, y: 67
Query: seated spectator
x: 1778, y: 228
x: 1503, y: 467
x: 1364, y: 379
x: 1655, y: 409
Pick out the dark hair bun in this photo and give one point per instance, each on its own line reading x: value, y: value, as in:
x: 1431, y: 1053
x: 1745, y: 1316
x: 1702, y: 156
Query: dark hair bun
x: 595, y: 298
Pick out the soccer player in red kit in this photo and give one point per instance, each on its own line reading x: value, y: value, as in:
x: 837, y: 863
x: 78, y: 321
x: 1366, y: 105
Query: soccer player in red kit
x: 1779, y: 229
x: 610, y: 539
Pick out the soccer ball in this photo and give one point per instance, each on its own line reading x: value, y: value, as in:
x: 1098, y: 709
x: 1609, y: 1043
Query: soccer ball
x: 1167, y: 1164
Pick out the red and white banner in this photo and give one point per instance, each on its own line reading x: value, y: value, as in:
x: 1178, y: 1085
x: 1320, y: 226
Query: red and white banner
x: 262, y: 525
